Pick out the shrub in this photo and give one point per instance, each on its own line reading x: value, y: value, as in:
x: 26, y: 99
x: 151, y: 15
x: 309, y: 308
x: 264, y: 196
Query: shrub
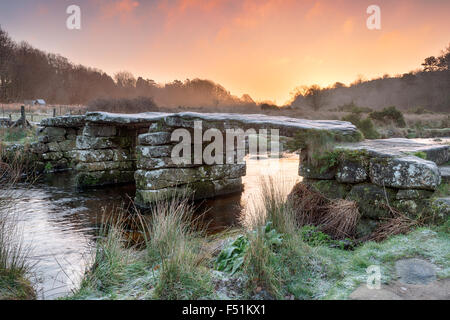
x: 314, y: 237
x: 269, y: 106
x: 366, y: 125
x: 389, y: 114
x: 420, y: 110
x: 124, y: 105
x: 231, y: 258
x: 353, y: 108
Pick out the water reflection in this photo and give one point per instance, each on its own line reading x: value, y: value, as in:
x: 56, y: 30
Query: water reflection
x: 60, y: 223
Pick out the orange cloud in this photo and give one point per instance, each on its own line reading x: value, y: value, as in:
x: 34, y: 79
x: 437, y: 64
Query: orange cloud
x: 120, y: 8
x: 348, y: 26
x: 316, y: 10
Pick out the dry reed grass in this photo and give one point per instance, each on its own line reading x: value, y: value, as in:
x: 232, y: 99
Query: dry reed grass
x: 399, y: 223
x: 309, y: 204
x: 338, y: 218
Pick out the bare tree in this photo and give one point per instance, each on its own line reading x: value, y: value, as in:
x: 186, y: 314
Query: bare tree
x: 125, y: 79
x: 314, y: 96
x: 6, y: 55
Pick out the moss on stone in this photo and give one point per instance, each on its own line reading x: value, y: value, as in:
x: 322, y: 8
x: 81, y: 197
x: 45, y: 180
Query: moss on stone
x: 103, y: 178
x: 329, y: 188
x: 373, y: 200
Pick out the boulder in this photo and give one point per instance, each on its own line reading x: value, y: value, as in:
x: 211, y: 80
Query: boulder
x: 329, y: 188
x: 54, y: 147
x: 415, y: 271
x: 286, y: 126
x: 55, y: 138
x: 405, y: 173
x: 64, y: 122
x: 413, y: 194
x: 154, y: 151
x: 86, y: 179
x: 67, y: 145
x: 105, y: 166
x: 311, y: 171
x: 52, y: 156
x: 122, y: 155
x: 155, y: 139
x: 352, y: 171
x: 195, y: 190
x: 160, y: 163
x: 38, y: 147
x: 54, y: 132
x: 43, y: 139
x: 99, y: 131
x: 372, y: 200
x: 441, y: 208
x: 91, y: 155
x: 89, y: 143
x: 163, y: 178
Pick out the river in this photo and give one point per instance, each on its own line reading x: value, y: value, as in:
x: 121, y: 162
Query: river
x: 60, y: 223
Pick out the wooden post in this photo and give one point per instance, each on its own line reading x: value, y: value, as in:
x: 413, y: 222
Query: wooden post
x: 22, y: 122
x: 22, y: 116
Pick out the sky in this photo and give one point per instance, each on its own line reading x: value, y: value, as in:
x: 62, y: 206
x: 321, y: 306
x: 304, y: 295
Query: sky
x: 265, y: 48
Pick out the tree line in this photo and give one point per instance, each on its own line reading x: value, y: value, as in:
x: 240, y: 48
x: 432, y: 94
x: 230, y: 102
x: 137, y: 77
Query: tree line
x: 27, y: 73
x: 428, y: 88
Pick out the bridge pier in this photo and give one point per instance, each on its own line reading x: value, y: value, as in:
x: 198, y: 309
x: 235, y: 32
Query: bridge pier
x: 105, y: 155
x: 160, y: 176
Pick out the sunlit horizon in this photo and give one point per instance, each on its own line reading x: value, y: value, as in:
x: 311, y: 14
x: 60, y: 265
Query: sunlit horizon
x: 262, y: 48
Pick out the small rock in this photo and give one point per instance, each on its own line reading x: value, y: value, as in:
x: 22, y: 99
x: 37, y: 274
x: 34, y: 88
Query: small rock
x: 415, y: 271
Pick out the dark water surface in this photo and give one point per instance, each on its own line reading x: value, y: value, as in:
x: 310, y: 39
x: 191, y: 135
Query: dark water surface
x: 60, y: 223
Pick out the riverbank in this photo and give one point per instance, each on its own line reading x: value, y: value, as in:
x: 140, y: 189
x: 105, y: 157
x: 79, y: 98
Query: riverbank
x: 269, y: 257
x: 15, y: 267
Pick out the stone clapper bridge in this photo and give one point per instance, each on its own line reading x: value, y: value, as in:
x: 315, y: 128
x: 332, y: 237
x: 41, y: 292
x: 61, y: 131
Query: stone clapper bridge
x: 107, y: 149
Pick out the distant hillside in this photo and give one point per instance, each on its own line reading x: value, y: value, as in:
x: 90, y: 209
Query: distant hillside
x: 428, y: 88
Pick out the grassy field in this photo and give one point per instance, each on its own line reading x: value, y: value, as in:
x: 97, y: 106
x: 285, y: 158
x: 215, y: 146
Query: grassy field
x: 37, y: 113
x: 17, y: 135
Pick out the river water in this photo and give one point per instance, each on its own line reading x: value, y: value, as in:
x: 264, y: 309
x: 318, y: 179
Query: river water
x: 60, y: 223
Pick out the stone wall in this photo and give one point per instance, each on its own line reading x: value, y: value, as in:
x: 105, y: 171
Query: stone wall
x: 53, y: 149
x: 377, y: 174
